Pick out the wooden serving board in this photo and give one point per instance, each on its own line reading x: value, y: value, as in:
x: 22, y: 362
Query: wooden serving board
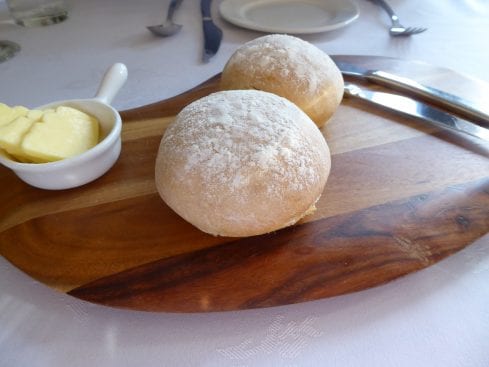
x: 402, y: 195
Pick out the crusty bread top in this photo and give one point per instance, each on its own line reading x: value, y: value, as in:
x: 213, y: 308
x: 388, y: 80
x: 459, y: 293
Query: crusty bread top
x: 240, y: 163
x: 291, y: 68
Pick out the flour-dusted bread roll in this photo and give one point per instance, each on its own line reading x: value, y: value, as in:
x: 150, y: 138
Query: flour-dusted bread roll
x: 242, y: 163
x: 291, y: 68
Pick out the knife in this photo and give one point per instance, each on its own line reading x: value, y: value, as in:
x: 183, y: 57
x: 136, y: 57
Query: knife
x: 212, y: 33
x: 433, y: 95
x: 412, y: 108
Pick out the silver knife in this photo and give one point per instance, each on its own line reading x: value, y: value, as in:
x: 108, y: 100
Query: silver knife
x: 212, y: 33
x: 433, y: 95
x: 418, y: 110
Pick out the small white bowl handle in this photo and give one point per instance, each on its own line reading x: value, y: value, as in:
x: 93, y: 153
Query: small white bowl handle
x: 112, y: 82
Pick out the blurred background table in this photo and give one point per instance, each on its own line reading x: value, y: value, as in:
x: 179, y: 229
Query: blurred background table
x: 436, y: 317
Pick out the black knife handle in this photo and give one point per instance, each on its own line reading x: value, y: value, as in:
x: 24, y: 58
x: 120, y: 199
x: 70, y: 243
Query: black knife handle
x: 174, y: 5
x: 205, y: 7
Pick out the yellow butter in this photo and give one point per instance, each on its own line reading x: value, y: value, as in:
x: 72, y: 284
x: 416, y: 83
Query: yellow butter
x: 45, y: 136
x: 35, y: 115
x: 60, y: 134
x: 8, y: 114
x: 12, y: 134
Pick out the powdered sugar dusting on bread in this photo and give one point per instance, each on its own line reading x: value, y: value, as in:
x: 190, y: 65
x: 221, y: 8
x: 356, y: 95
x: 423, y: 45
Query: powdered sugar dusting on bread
x: 233, y: 139
x: 287, y: 57
x: 241, y: 163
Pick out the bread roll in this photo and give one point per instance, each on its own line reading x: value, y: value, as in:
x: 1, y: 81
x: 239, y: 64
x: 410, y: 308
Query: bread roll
x: 291, y: 68
x: 242, y: 163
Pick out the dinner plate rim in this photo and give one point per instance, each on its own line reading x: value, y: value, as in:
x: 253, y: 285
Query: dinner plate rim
x: 230, y: 11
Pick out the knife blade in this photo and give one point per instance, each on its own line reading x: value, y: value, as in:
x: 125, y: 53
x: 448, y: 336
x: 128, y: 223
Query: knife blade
x: 443, y: 99
x: 412, y: 108
x: 212, y: 33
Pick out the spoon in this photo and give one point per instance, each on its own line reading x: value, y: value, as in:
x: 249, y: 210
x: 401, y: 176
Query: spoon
x: 168, y: 28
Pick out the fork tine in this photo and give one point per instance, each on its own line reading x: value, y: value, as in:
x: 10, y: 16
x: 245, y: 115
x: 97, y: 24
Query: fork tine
x: 415, y: 30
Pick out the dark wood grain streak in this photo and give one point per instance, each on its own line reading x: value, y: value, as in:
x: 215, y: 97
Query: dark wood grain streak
x: 305, y: 262
x: 401, y: 196
x: 105, y: 238
x: 100, y: 240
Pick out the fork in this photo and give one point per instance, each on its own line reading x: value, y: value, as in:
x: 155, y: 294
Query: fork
x: 397, y: 29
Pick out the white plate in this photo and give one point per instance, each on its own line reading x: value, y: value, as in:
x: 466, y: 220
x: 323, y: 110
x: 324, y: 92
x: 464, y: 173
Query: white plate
x: 289, y: 16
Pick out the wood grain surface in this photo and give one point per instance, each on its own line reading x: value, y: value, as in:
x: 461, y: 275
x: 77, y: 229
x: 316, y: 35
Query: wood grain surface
x: 401, y: 196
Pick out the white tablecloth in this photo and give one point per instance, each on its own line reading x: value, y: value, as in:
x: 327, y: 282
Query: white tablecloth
x: 436, y: 317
